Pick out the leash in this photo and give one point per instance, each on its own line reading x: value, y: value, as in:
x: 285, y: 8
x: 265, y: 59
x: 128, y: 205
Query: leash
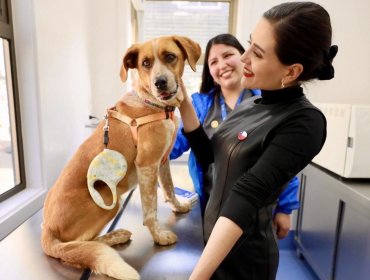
x: 106, y: 130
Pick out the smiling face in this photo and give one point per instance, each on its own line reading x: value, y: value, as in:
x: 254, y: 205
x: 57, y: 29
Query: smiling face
x: 225, y: 66
x: 262, y: 68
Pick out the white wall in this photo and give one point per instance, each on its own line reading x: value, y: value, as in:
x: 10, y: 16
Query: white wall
x: 109, y: 34
x: 68, y: 58
x: 79, y: 54
x: 63, y: 77
x: 351, y: 27
x: 79, y: 49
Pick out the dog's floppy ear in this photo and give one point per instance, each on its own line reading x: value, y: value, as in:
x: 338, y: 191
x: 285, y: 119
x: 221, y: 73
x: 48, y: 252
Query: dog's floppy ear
x: 129, y: 61
x: 191, y: 49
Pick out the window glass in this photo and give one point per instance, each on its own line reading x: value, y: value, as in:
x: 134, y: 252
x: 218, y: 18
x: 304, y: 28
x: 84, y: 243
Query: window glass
x: 9, y: 163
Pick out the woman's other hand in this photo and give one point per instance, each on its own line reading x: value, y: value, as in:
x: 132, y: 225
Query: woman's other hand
x: 282, y: 223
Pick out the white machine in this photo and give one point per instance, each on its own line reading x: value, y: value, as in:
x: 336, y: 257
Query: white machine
x: 346, y: 151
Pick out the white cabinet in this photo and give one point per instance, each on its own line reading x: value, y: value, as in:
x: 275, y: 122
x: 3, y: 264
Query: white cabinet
x: 353, y: 253
x: 333, y: 225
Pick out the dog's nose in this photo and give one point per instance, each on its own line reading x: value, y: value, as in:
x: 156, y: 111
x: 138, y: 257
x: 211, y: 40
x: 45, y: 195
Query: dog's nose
x: 161, y: 83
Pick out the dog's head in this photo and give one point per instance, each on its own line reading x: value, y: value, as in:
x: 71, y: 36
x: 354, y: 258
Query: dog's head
x: 160, y: 64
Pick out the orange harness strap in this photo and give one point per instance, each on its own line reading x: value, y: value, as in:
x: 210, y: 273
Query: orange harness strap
x: 135, y: 123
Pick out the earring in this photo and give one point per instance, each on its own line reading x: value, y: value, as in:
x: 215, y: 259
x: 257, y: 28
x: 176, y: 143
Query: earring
x: 282, y: 83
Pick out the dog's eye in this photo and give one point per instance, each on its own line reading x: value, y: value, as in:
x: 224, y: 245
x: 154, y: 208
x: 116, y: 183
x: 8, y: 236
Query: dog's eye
x: 170, y: 57
x: 146, y: 63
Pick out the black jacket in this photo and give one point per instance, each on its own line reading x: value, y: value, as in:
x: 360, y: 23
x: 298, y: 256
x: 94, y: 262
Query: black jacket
x: 263, y: 144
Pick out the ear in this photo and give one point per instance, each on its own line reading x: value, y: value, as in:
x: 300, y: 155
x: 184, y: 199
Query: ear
x: 129, y: 61
x: 294, y: 71
x: 191, y: 50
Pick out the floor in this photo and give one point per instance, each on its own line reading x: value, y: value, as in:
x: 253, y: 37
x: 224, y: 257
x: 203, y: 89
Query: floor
x: 290, y: 266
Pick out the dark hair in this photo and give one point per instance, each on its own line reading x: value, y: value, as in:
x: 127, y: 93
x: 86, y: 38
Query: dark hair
x: 303, y: 35
x: 226, y: 39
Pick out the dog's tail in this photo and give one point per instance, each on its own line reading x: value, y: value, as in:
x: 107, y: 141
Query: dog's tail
x: 97, y: 256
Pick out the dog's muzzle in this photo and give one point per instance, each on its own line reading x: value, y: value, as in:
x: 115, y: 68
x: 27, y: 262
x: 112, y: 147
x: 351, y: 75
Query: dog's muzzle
x: 161, y: 83
x: 166, y: 95
x: 110, y: 167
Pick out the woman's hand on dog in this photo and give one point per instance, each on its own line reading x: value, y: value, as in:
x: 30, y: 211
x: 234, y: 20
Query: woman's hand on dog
x: 188, y: 116
x: 184, y: 91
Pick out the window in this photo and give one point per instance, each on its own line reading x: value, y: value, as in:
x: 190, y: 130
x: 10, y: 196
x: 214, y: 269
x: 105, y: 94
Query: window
x: 198, y: 20
x: 12, y: 178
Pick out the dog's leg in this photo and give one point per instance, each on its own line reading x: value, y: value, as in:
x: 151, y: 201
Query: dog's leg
x: 119, y: 236
x: 147, y: 177
x: 166, y: 183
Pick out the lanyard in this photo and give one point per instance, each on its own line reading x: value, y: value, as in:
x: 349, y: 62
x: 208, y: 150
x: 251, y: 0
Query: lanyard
x: 223, y: 105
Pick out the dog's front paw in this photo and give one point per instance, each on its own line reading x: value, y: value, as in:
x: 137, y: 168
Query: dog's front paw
x: 181, y: 207
x: 165, y: 237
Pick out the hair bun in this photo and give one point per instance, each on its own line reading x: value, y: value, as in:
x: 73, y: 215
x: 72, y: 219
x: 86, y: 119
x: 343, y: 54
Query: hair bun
x: 326, y: 71
x: 332, y: 52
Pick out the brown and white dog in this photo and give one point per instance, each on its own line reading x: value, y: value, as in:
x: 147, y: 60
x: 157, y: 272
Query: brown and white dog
x: 142, y: 129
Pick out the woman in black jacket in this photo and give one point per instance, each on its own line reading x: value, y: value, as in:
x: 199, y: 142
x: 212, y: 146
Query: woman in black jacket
x: 264, y: 142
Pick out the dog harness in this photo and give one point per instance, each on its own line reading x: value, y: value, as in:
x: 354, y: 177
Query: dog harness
x: 135, y: 123
x: 110, y: 166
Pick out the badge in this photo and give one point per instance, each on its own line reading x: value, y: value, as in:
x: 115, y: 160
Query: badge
x: 242, y: 135
x: 214, y: 124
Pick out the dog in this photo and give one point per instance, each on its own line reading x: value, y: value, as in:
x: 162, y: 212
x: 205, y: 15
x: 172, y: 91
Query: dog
x: 133, y: 142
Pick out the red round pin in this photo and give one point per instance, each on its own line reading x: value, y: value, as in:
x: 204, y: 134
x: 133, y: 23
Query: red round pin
x: 242, y: 135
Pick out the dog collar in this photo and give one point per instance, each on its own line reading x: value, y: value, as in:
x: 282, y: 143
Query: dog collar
x: 147, y: 101
x: 166, y: 108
